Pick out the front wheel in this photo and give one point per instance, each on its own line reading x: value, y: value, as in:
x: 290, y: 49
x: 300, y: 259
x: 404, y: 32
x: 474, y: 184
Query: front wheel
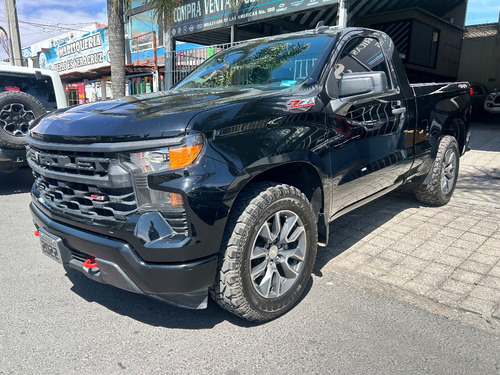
x: 268, y: 252
x: 444, y: 175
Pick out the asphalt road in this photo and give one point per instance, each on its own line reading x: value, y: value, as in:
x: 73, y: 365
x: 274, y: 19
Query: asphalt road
x: 54, y: 322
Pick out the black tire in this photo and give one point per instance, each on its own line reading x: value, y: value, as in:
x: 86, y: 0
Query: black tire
x: 283, y: 214
x: 444, y: 175
x: 17, y: 111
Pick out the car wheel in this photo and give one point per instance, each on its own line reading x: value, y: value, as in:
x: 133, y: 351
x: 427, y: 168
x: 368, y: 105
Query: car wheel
x: 268, y: 252
x: 17, y: 112
x: 444, y: 175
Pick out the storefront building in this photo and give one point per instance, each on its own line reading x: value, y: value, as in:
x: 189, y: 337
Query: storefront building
x: 428, y: 33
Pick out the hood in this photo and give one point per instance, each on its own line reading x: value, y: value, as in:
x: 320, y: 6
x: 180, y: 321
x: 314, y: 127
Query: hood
x: 133, y: 118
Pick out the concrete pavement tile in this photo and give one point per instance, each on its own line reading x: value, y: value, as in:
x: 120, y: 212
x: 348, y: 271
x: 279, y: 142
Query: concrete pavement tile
x: 347, y: 232
x: 370, y: 249
x: 403, y: 272
x: 470, y: 265
x: 345, y: 263
x: 435, y: 246
x: 469, y: 245
x: 432, y: 279
x: 488, y: 249
x: 452, y: 232
x: 413, y: 240
x: 381, y: 241
x: 456, y: 286
x: 449, y: 260
x: 466, y: 276
x: 439, y: 269
x: 380, y: 263
x: 426, y: 254
x: 496, y: 313
x: 477, y: 305
x: 351, y: 244
x: 461, y: 223
x: 446, y: 297
x: 391, y: 255
x: 484, y: 258
x: 358, y: 257
x: 402, y: 247
x: 405, y: 229
x: 486, y: 293
x: 417, y: 288
x: 491, y: 282
x: 458, y: 252
x: 429, y: 229
x: 494, y: 243
x: 478, y: 239
x: 369, y: 271
x: 495, y: 271
x: 392, y: 235
x: 413, y: 263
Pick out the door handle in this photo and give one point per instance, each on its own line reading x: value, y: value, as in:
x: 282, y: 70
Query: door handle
x: 398, y: 110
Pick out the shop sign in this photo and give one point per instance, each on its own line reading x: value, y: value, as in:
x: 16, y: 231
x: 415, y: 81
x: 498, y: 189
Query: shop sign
x: 198, y: 15
x: 87, y: 52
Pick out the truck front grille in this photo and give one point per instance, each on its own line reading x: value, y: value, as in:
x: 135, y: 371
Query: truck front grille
x: 91, y: 187
x: 88, y: 201
x: 74, y: 163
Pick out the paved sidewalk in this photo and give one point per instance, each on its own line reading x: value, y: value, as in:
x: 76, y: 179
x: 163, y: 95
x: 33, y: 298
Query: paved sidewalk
x: 450, y: 254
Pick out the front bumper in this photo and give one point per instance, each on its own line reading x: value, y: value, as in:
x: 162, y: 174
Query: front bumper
x: 182, y: 284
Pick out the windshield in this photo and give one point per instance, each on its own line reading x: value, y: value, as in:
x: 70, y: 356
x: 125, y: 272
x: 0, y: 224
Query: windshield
x: 275, y: 64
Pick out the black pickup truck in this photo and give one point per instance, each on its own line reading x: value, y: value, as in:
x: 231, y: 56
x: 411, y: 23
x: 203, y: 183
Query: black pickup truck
x: 226, y: 184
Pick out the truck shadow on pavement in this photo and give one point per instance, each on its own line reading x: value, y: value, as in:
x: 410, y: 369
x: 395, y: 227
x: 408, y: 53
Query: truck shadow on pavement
x: 16, y: 182
x: 153, y: 312
x: 360, y: 225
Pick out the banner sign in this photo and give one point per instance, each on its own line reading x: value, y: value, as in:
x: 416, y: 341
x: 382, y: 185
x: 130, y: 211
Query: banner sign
x: 26, y: 53
x: 90, y: 51
x: 198, y: 15
x: 4, y: 40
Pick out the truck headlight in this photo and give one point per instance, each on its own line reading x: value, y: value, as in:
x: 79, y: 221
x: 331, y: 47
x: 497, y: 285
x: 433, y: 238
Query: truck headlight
x: 142, y: 163
x: 169, y: 157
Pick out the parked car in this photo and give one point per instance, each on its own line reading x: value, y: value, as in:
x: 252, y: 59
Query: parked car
x: 25, y: 94
x: 226, y: 184
x: 492, y: 103
x: 479, y: 93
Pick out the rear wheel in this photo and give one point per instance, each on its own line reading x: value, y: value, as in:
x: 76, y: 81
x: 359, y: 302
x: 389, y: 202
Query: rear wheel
x: 268, y: 253
x: 18, y: 110
x: 444, y: 175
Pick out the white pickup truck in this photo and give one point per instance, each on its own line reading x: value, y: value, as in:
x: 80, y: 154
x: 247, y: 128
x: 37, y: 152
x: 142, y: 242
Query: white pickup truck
x: 25, y: 94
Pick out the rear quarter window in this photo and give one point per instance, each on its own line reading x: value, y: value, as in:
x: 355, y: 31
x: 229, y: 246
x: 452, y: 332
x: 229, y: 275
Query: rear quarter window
x: 42, y: 88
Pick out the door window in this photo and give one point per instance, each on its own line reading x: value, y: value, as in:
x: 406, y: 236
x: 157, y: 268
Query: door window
x: 362, y: 55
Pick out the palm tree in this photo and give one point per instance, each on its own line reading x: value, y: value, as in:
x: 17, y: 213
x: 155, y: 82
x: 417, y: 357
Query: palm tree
x: 164, y: 11
x: 117, y: 45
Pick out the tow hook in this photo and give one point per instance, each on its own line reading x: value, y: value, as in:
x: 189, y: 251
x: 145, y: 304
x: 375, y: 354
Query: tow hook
x: 90, y: 265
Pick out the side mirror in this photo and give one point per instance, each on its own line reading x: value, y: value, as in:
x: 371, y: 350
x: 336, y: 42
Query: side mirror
x: 354, y: 86
x: 363, y: 85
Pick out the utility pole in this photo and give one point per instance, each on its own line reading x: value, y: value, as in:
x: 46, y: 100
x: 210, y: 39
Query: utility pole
x: 13, y: 32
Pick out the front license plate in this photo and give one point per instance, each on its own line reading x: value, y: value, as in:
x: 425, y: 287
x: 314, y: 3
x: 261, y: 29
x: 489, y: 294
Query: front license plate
x: 50, y: 247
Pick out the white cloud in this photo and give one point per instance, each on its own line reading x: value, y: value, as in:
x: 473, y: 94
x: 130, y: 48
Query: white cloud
x: 42, y: 19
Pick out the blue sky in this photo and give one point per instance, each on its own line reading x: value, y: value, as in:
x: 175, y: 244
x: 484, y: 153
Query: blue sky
x: 42, y: 19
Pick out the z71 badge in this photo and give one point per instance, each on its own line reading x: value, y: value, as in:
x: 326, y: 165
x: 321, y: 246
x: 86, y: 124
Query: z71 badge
x: 300, y: 103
